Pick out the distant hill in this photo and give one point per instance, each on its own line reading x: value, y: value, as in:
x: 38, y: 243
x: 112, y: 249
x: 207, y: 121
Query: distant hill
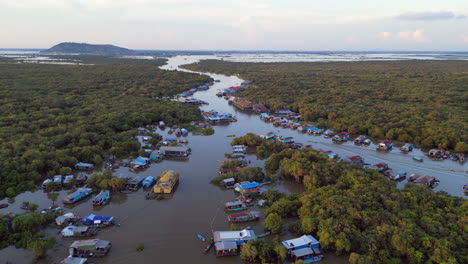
x: 84, y: 48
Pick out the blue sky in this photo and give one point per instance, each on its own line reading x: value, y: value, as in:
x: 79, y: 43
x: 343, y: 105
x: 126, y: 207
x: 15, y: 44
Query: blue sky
x: 407, y: 25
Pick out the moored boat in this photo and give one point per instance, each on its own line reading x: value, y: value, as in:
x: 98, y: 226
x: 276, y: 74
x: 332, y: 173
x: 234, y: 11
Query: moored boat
x: 243, y: 217
x: 167, y: 182
x: 418, y: 158
x: 98, y: 221
x: 78, y: 231
x: 90, y: 248
x: 80, y: 194
x: 235, y: 206
x: 102, y: 198
x: 148, y: 181
x: 426, y: 180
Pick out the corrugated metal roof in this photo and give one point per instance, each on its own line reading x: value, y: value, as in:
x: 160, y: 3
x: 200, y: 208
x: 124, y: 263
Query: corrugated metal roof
x: 300, y: 241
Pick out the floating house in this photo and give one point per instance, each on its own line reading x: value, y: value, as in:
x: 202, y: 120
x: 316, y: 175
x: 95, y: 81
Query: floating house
x: 199, y: 124
x: 102, y: 198
x: 80, y: 194
x: 401, y: 175
x: 239, y: 149
x: 84, y: 166
x: 156, y: 156
x: 342, y: 136
x: 234, y: 206
x: 135, y: 183
x: 438, y: 154
x: 78, y: 231
x: 265, y: 117
x: 174, y: 151
x: 358, y: 160
x: 328, y: 133
x: 98, y: 221
x: 239, y: 237
x: 260, y: 108
x: 142, y: 161
x: 385, y: 145
x: 226, y: 248
x: 67, y: 179
x: 426, y: 180
x: 242, y: 103
x: 58, y: 179
x: 268, y: 135
x: 229, y: 183
x: 148, y: 181
x: 64, y: 219
x: 380, y: 167
x: 244, y: 217
x: 247, y: 188
x: 95, y: 248
x: 216, y: 117
x: 44, y: 183
x: 283, y: 112
x: 73, y: 260
x: 311, y: 130
x: 287, y: 140
x: 305, y: 248
x: 238, y: 156
x: 81, y: 178
x: 407, y: 147
x: 167, y: 182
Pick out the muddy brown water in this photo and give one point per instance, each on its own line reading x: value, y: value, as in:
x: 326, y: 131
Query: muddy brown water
x: 168, y: 228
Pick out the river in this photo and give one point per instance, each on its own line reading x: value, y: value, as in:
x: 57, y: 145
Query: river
x: 168, y: 228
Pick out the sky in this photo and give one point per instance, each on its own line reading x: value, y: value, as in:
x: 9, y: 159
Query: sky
x: 296, y: 25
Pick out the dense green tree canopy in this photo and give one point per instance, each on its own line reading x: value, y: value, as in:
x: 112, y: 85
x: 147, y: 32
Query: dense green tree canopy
x: 423, y: 102
x: 55, y: 115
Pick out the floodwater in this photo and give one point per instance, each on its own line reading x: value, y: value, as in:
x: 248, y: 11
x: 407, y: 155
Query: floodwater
x: 168, y: 228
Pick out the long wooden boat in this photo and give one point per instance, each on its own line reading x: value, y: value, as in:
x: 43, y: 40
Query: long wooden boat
x: 243, y: 217
x: 80, y: 194
x: 235, y: 206
x: 167, y: 182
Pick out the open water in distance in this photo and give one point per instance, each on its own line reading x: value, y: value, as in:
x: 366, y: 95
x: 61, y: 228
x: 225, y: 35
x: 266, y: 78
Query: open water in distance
x: 168, y: 228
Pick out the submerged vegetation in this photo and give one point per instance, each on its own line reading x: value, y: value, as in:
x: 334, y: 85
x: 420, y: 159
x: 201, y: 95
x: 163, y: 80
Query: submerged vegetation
x: 422, y: 102
x: 360, y: 212
x: 56, y: 115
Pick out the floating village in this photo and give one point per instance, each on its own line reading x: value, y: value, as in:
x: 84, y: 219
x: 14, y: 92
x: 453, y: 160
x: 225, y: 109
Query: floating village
x: 248, y: 204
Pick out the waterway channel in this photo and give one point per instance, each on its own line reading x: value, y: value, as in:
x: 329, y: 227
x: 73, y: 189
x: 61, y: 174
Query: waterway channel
x: 168, y: 228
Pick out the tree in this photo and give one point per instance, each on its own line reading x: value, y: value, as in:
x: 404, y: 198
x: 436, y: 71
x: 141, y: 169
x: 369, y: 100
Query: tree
x: 11, y: 192
x: 32, y: 207
x: 274, y: 223
x: 52, y: 186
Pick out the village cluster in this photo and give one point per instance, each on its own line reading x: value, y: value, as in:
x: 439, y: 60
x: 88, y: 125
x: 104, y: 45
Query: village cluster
x: 228, y: 243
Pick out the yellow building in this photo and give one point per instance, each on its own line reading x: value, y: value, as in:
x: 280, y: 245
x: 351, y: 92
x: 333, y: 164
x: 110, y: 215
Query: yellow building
x: 167, y: 182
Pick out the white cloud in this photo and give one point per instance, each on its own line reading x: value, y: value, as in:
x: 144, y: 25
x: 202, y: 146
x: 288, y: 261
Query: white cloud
x: 427, y: 16
x: 464, y: 38
x: 384, y: 35
x: 417, y: 36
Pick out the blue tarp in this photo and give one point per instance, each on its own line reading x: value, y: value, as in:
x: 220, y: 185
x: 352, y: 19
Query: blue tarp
x: 313, y: 128
x: 251, y: 185
x: 96, y: 219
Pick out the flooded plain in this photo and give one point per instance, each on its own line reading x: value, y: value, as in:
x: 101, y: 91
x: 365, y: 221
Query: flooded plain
x: 168, y: 228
